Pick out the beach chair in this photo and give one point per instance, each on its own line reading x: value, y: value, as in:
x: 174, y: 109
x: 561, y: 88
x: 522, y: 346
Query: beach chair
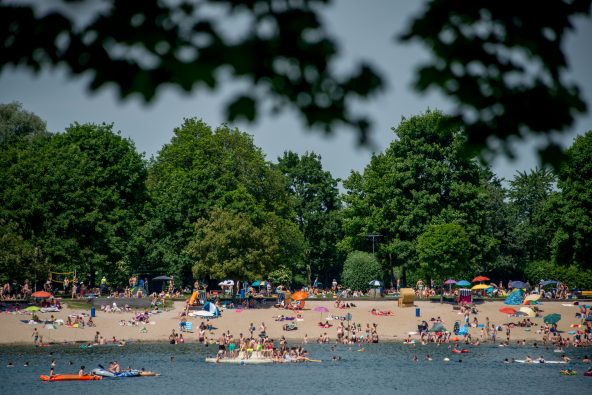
x: 188, y: 327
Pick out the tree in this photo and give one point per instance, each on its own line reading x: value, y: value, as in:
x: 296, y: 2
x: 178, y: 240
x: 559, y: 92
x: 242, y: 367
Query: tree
x: 422, y: 179
x: 359, y: 269
x: 443, y: 251
x: 228, y: 245
x: 75, y: 197
x: 502, y: 63
x: 201, y: 169
x: 530, y: 197
x: 284, y: 52
x: 15, y: 122
x: 317, y: 207
x: 572, y: 243
x: 19, y: 259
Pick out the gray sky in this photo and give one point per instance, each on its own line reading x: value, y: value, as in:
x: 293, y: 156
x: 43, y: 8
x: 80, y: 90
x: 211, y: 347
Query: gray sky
x: 365, y: 29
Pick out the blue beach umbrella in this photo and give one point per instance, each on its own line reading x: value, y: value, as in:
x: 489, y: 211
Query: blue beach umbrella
x: 517, y: 284
x: 463, y: 283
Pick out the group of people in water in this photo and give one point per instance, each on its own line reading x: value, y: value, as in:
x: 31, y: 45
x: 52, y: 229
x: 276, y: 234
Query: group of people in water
x: 259, y: 347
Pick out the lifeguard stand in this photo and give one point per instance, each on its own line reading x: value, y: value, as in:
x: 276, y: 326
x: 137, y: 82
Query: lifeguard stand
x: 464, y: 295
x: 406, y: 297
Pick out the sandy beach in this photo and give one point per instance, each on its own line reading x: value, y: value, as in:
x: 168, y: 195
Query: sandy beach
x: 395, y: 327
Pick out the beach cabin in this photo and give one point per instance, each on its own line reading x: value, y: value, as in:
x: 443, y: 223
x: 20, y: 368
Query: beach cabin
x: 464, y: 295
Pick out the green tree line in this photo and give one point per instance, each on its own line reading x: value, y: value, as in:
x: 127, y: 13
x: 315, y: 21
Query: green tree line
x: 211, y: 206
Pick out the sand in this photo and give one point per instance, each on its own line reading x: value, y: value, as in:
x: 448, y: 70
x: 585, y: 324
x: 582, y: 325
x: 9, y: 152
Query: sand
x: 390, y: 328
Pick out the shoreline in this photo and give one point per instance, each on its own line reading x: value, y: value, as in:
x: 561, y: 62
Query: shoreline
x: 393, y: 328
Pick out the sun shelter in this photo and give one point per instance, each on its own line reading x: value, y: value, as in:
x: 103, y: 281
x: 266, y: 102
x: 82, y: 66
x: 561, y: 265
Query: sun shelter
x: 515, y: 297
x: 210, y: 310
x: 406, y: 297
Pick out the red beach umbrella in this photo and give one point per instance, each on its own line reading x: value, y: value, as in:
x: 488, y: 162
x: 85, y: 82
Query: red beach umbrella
x: 41, y: 294
x: 507, y: 310
x: 480, y: 278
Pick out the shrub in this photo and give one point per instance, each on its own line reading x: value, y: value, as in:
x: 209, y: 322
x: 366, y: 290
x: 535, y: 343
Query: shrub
x: 359, y: 269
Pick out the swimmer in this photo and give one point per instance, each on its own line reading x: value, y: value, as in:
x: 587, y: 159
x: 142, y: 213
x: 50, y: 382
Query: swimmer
x: 506, y: 360
x: 565, y: 358
x: 9, y: 365
x: 81, y: 371
x: 460, y: 361
x: 415, y: 358
x: 26, y: 364
x: 428, y: 357
x: 172, y: 359
x: 586, y: 359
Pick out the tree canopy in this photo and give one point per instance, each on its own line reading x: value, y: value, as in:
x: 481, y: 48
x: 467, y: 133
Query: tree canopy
x: 75, y: 197
x: 502, y: 63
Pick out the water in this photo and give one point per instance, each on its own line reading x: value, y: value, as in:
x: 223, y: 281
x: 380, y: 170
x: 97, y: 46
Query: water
x: 381, y: 369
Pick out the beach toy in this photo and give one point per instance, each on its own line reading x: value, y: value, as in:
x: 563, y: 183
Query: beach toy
x: 106, y: 373
x: 69, y: 377
x: 568, y: 372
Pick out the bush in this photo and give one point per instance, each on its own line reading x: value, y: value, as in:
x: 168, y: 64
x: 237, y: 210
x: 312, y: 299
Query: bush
x: 359, y: 269
x: 572, y: 276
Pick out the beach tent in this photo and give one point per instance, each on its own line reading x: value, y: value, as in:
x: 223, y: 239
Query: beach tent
x: 210, y: 310
x: 515, y: 297
x: 438, y: 327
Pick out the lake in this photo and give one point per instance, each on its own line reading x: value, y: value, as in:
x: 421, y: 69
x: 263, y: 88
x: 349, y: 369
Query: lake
x: 386, y: 368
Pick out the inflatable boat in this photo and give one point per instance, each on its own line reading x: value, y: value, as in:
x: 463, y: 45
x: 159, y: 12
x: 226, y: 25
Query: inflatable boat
x: 69, y: 377
x: 106, y: 373
x: 237, y: 361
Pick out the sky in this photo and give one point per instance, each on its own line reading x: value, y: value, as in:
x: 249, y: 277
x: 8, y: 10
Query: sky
x: 364, y: 29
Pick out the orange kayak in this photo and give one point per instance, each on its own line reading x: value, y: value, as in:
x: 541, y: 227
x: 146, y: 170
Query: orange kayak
x: 69, y: 377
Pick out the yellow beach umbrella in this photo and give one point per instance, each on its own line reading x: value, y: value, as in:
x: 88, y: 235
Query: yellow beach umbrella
x: 480, y: 286
x: 533, y: 297
x: 528, y: 311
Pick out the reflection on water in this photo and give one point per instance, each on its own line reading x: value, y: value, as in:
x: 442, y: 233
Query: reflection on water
x: 380, y: 369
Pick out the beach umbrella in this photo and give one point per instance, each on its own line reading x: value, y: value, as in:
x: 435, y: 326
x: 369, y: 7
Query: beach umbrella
x: 531, y: 298
x: 520, y: 314
x: 226, y: 283
x: 552, y: 318
x: 300, y: 295
x: 449, y: 282
x: 480, y: 286
x: 463, y: 283
x: 41, y: 295
x: 507, y: 310
x: 517, y: 284
x: 255, y: 284
x: 32, y: 308
x: 528, y: 311
x: 549, y: 282
x: 375, y: 283
x: 162, y: 278
x: 263, y: 283
x: 480, y: 278
x: 321, y: 309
